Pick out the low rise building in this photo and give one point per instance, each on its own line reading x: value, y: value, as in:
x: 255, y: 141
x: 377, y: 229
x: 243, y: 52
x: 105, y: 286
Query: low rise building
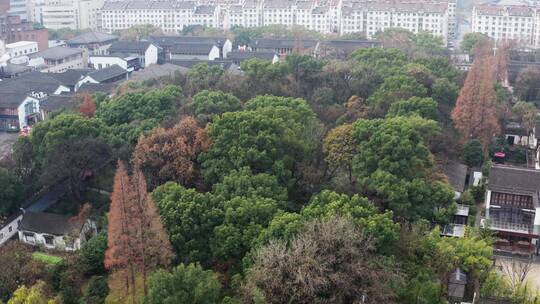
x: 285, y: 46
x: 200, y: 51
x: 127, y: 62
x: 54, y: 231
x: 13, y: 29
x: 60, y: 59
x: 145, y: 51
x: 95, y: 43
x: 21, y: 48
x: 513, y: 209
x: 110, y: 74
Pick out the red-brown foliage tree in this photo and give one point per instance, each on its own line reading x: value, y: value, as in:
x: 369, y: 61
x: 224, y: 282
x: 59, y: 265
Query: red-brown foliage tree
x: 88, y: 107
x: 475, y: 114
x: 171, y: 154
x: 137, y: 241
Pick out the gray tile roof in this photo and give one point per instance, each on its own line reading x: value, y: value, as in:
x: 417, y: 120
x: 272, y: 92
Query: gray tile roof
x: 107, y: 73
x: 12, y: 100
x: 56, y: 53
x: 192, y: 48
x: 172, y: 40
x: 91, y: 37
x: 55, y: 103
x: 205, y: 10
x: 91, y: 88
x: 237, y: 55
x: 30, y: 82
x: 129, y: 46
x: 268, y: 43
x: 69, y: 77
x: 514, y: 180
x: 49, y: 223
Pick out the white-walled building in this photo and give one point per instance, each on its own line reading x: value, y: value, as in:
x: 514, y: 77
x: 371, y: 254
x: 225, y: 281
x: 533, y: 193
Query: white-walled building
x: 21, y: 48
x: 74, y: 14
x: 503, y: 23
x: 345, y: 16
x: 60, y: 59
x: 54, y: 231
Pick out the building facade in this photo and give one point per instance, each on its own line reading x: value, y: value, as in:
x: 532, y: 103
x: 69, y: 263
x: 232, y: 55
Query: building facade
x: 21, y: 48
x: 73, y: 14
x: 513, y: 209
x: 343, y: 17
x: 518, y: 23
x: 13, y: 29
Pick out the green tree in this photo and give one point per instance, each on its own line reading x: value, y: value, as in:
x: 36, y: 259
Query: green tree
x: 395, y: 163
x: 423, y: 107
x: 92, y: 254
x: 135, y: 113
x: 207, y: 104
x: 97, y: 291
x: 244, y: 219
x: 203, y: 77
x: 386, y: 61
x: 263, y: 76
x: 527, y: 84
x: 473, y: 154
x: 243, y: 183
x: 184, y: 284
x: 445, y: 92
x: 12, y: 192
x: 394, y: 88
x: 428, y: 43
x: 268, y: 139
x: 471, y: 40
x: 190, y: 218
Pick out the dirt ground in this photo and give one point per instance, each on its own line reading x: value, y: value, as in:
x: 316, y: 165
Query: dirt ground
x: 6, y: 142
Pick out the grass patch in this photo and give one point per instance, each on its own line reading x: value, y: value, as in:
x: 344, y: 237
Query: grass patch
x: 46, y: 258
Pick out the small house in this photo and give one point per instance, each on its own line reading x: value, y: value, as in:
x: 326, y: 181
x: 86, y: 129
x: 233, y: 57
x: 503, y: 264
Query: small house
x: 111, y: 74
x: 145, y: 51
x: 54, y: 231
x: 201, y: 51
x: 60, y: 59
x: 9, y: 226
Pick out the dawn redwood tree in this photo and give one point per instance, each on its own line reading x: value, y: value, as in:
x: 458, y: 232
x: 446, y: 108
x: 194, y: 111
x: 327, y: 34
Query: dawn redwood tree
x: 475, y: 114
x: 171, y: 154
x: 88, y: 107
x: 137, y: 241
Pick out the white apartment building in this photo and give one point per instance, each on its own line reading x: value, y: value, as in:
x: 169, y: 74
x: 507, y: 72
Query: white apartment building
x: 374, y: 17
x: 74, y: 14
x: 20, y: 8
x: 344, y: 16
x: 503, y: 23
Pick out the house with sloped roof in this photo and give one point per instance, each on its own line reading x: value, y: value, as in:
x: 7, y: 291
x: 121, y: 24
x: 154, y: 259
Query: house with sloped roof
x: 513, y: 209
x: 146, y: 52
x: 237, y: 57
x: 284, y: 46
x: 167, y: 42
x: 110, y: 74
x: 55, y: 231
x: 60, y: 59
x: 201, y: 51
x: 95, y: 43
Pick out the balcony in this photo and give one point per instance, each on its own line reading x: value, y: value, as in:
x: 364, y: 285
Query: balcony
x: 509, y: 226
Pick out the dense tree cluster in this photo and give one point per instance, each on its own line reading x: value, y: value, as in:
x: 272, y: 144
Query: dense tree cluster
x: 311, y: 180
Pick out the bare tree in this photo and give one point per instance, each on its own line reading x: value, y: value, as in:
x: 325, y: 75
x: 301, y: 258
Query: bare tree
x: 330, y: 261
x: 516, y: 270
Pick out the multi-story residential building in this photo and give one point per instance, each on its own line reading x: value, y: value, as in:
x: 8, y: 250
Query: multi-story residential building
x: 373, y: 17
x: 503, y: 23
x: 19, y: 8
x: 12, y: 29
x: 513, y: 208
x: 57, y: 14
x: 346, y: 16
x: 74, y: 14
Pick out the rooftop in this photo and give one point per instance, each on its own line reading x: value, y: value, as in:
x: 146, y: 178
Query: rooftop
x: 129, y: 46
x: 19, y: 44
x: 237, y: 55
x: 514, y: 180
x: 56, y: 53
x: 107, y: 73
x: 92, y: 37
x: 268, y: 43
x: 192, y: 48
x: 55, y: 103
x: 49, y: 223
